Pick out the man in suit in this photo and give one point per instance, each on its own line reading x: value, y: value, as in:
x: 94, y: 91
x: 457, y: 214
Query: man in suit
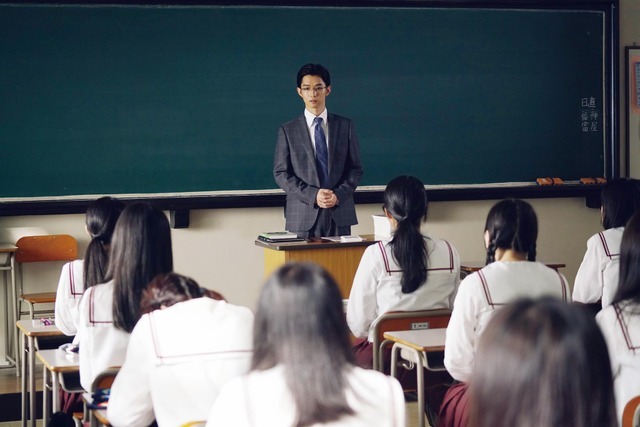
x: 317, y: 162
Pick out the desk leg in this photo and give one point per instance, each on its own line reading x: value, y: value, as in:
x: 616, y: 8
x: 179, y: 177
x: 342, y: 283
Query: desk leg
x: 14, y: 299
x: 23, y: 384
x: 55, y: 382
x: 32, y: 381
x: 7, y: 316
x: 45, y: 396
x: 420, y: 375
x: 394, y: 360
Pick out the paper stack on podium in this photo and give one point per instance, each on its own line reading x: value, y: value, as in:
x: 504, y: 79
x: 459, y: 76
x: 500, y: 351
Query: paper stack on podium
x: 381, y: 227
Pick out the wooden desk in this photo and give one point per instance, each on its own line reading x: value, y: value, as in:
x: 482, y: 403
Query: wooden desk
x: 468, y: 267
x: 57, y: 362
x: 414, y: 346
x: 341, y: 260
x: 32, y: 330
x: 10, y: 310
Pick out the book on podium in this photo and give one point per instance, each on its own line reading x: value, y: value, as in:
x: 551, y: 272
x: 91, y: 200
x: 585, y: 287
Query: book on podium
x: 279, y: 236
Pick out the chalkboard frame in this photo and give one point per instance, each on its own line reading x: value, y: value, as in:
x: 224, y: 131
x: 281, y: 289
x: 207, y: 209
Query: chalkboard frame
x: 186, y: 202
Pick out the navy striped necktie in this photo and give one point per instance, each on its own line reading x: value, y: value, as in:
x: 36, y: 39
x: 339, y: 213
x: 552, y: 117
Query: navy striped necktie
x: 322, y: 155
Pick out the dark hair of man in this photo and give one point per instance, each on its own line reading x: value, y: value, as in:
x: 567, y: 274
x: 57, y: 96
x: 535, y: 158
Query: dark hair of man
x: 512, y: 224
x: 168, y: 289
x: 541, y: 363
x: 406, y: 201
x: 101, y: 219
x: 300, y: 325
x: 313, y: 70
x: 629, y: 278
x: 141, y: 250
x: 620, y: 199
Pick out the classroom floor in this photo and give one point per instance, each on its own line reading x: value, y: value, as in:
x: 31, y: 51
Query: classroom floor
x: 10, y: 383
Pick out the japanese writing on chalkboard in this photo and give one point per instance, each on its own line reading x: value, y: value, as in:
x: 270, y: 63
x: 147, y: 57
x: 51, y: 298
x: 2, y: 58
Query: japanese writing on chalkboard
x: 589, y: 115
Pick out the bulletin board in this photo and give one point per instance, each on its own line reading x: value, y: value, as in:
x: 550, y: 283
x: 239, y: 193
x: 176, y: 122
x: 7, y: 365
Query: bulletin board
x: 632, y: 86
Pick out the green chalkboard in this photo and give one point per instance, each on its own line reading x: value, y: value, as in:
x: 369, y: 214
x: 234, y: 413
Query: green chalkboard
x: 170, y: 99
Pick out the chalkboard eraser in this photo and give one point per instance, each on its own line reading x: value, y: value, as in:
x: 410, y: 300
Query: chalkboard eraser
x: 601, y: 180
x: 544, y: 181
x: 587, y: 180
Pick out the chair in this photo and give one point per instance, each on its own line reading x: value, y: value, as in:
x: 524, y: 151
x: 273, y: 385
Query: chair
x: 631, y: 413
x: 54, y: 247
x: 104, y: 380
x: 403, y: 320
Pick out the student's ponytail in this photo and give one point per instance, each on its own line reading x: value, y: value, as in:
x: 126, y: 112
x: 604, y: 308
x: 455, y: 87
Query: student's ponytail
x: 512, y: 224
x: 101, y: 219
x: 406, y: 201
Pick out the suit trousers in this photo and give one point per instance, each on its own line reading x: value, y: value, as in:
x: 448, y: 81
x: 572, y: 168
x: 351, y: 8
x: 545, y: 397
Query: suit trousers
x: 324, y: 226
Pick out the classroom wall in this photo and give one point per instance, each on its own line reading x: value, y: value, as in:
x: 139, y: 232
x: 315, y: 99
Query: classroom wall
x: 218, y: 249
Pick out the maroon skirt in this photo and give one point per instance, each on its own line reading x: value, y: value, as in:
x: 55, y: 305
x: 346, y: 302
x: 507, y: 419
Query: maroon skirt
x: 454, y: 411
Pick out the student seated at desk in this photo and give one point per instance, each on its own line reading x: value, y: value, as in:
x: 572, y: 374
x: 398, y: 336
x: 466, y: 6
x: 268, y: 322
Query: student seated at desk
x: 412, y: 271
x: 541, y: 362
x: 512, y: 272
x: 620, y: 321
x: 597, y: 277
x: 180, y: 354
x: 79, y: 275
x: 140, y: 250
x: 303, y: 372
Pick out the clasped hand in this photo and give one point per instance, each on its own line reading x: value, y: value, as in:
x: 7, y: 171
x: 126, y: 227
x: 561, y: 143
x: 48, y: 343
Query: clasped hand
x: 326, y: 199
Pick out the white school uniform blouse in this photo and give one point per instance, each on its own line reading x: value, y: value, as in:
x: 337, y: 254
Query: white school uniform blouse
x: 376, y: 286
x: 262, y: 398
x: 177, y: 360
x: 620, y: 325
x: 68, y: 294
x: 101, y: 345
x: 486, y: 290
x: 597, y: 277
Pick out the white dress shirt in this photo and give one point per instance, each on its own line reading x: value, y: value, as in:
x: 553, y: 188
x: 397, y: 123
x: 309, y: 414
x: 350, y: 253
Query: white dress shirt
x: 178, y: 359
x: 101, y: 345
x: 262, y: 398
x: 486, y: 290
x: 597, y: 277
x: 621, y: 330
x: 310, y: 117
x: 68, y: 295
x: 376, y: 286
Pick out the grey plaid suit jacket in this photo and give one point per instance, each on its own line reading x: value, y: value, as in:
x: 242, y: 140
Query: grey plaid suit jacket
x: 294, y: 169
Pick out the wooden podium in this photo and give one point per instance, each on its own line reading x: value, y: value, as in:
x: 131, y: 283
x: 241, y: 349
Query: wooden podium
x: 341, y: 260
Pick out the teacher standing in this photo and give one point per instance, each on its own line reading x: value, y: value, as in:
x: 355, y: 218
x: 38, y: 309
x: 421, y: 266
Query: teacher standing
x: 317, y: 162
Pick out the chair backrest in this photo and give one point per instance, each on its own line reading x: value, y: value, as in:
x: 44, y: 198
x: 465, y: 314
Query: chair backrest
x: 53, y: 247
x: 403, y: 321
x: 631, y: 413
x: 105, y: 379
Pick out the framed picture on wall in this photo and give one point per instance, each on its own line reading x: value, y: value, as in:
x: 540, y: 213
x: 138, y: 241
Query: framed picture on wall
x: 632, y: 96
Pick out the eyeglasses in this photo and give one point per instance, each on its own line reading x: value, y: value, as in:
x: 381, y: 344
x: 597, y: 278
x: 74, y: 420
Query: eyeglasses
x: 310, y: 90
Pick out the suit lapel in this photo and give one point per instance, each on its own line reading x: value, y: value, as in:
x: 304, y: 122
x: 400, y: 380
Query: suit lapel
x: 335, y: 149
x: 309, y: 154
x: 305, y: 138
